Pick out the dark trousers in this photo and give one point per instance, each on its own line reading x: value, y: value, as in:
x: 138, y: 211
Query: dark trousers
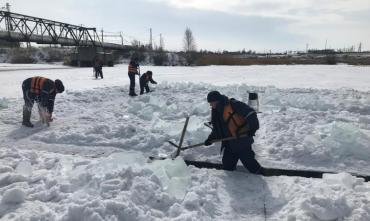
x: 240, y: 149
x: 98, y: 72
x: 144, y: 86
x: 29, y: 98
x: 132, y: 82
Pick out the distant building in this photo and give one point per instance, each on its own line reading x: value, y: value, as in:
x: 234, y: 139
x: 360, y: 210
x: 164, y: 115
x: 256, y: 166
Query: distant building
x: 321, y: 51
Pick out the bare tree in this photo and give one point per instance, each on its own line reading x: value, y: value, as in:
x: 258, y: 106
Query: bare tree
x: 189, y: 41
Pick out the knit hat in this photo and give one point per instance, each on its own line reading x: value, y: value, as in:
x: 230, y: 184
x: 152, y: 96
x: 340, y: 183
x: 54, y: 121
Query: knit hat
x: 214, y: 96
x: 59, y: 86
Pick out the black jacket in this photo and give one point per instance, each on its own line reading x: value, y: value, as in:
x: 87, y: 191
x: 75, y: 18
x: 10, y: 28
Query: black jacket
x: 220, y: 129
x: 144, y: 79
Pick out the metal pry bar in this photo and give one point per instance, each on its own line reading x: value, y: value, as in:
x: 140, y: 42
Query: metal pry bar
x: 182, y: 137
x: 178, y: 150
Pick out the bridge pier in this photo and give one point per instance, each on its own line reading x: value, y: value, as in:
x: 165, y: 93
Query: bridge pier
x: 85, y: 56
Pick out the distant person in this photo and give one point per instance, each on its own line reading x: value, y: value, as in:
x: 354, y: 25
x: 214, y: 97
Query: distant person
x: 43, y: 91
x: 232, y: 118
x: 144, y: 81
x: 98, y: 68
x: 133, y: 70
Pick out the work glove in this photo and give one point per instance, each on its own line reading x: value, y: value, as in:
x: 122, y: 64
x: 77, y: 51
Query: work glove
x: 207, y: 142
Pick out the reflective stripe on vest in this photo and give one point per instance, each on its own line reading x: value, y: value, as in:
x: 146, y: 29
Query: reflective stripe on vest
x: 234, y: 121
x: 132, y: 68
x: 36, y: 84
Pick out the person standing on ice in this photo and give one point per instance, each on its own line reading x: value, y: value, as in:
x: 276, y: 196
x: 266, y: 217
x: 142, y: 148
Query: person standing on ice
x: 231, y: 117
x: 133, y: 69
x: 43, y: 91
x: 98, y: 67
x: 144, y: 81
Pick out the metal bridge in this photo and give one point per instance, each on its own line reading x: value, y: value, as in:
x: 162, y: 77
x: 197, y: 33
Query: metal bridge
x: 22, y: 28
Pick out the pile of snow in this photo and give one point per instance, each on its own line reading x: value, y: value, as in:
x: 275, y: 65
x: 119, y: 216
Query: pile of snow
x: 348, y: 140
x: 325, y: 207
x: 331, y: 201
x: 174, y: 176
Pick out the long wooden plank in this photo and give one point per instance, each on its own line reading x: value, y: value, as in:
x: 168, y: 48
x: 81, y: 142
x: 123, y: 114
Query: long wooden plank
x: 272, y: 171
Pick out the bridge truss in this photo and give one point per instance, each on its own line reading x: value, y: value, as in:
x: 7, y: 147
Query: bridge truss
x: 22, y: 28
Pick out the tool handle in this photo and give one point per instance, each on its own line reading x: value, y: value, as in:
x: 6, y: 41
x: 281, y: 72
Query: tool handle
x: 213, y: 141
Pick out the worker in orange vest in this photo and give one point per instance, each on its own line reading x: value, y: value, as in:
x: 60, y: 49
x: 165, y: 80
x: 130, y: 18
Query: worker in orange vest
x: 133, y: 70
x: 43, y: 91
x: 232, y: 118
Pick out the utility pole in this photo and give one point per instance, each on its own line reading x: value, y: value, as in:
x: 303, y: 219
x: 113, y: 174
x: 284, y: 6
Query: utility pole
x: 150, y: 40
x: 359, y: 47
x: 102, y: 35
x: 326, y: 42
x: 306, y: 48
x: 161, y: 42
x: 9, y: 25
x: 7, y: 5
x: 120, y: 34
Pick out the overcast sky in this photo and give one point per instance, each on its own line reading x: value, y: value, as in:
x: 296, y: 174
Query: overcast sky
x: 261, y: 25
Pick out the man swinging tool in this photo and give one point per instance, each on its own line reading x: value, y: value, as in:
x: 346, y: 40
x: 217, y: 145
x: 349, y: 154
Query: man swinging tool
x: 232, y: 118
x: 43, y: 91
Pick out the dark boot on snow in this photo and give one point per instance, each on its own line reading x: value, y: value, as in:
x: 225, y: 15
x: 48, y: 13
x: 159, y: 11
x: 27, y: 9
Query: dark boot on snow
x: 26, y: 118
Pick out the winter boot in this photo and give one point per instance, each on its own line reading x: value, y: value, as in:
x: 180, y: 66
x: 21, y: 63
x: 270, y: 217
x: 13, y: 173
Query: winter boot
x: 26, y: 117
x: 132, y: 94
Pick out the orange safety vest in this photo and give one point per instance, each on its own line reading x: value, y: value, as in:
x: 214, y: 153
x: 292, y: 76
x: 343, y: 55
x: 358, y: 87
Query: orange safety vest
x: 36, y: 84
x: 132, y: 69
x: 234, y: 121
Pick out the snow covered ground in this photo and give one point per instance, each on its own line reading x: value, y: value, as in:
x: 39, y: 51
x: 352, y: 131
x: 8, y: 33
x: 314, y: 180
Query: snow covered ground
x: 90, y: 164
